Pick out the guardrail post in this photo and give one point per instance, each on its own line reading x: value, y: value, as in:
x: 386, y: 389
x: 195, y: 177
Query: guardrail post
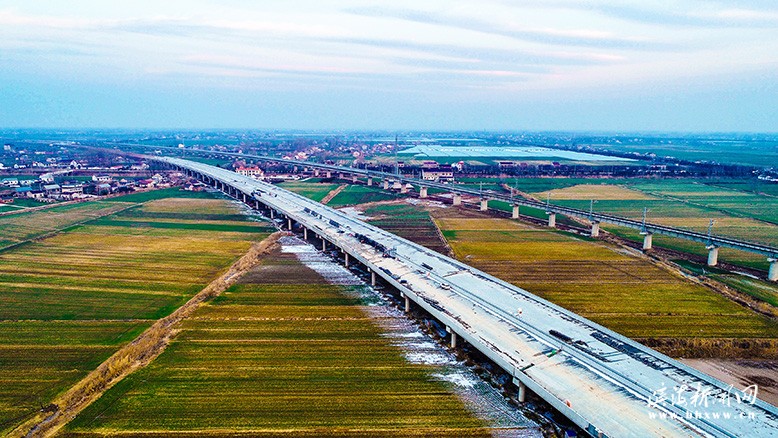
x: 772, y: 274
x: 515, y: 214
x: 713, y: 255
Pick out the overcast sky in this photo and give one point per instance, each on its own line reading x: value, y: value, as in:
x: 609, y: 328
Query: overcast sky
x: 668, y: 65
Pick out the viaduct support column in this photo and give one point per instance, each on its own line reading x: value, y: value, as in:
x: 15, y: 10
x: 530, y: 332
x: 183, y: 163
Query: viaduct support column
x: 404, y: 188
x: 369, y: 181
x: 353, y: 179
x: 515, y: 214
x: 272, y: 214
x: 423, y: 192
x: 484, y: 204
x: 289, y: 222
x: 305, y: 233
x: 772, y: 274
x: 329, y: 174
x: 552, y: 220
x: 372, y: 277
x: 522, y: 392
x: 386, y: 184
x: 453, y: 337
x: 345, y: 254
x: 323, y: 244
x: 316, y: 172
x: 713, y: 255
x: 648, y: 241
x: 457, y: 199
x: 407, y: 304
x: 595, y: 229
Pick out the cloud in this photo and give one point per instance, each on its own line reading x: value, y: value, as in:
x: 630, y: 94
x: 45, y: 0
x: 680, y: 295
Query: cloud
x: 732, y: 13
x: 488, y: 54
x: 583, y: 38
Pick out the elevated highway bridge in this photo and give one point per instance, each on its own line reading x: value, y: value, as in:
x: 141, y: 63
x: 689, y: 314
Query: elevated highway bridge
x: 647, y: 229
x: 607, y: 384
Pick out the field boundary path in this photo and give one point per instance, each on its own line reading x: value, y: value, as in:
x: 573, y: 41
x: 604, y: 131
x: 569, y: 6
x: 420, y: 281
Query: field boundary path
x: 138, y: 353
x: 332, y: 194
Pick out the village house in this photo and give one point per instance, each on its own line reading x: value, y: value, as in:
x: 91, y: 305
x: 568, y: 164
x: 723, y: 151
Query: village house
x: 252, y: 171
x: 441, y: 174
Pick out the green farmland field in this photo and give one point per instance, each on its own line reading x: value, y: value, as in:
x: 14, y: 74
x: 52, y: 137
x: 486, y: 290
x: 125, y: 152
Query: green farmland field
x: 687, y: 204
x: 358, y: 194
x: 68, y: 301
x: 315, y: 191
x: 281, y: 353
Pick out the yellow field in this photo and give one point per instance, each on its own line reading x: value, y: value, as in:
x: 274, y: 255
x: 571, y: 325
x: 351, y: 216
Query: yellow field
x: 626, y: 293
x: 69, y: 301
x: 596, y: 192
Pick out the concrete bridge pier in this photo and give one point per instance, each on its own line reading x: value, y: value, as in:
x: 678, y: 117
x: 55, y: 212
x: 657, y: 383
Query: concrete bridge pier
x: 272, y: 214
x: 515, y: 214
x: 353, y: 179
x: 372, y: 277
x: 484, y: 204
x: 595, y: 229
x: 404, y: 189
x: 245, y: 198
x: 772, y: 274
x: 345, y: 254
x: 423, y: 192
x: 369, y: 181
x: 305, y: 233
x: 453, y: 337
x: 323, y: 244
x: 386, y: 184
x: 551, y: 219
x: 290, y: 223
x: 648, y: 241
x: 522, y: 396
x: 457, y: 199
x: 713, y: 255
x: 407, y: 303
x: 316, y: 172
x: 329, y: 174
